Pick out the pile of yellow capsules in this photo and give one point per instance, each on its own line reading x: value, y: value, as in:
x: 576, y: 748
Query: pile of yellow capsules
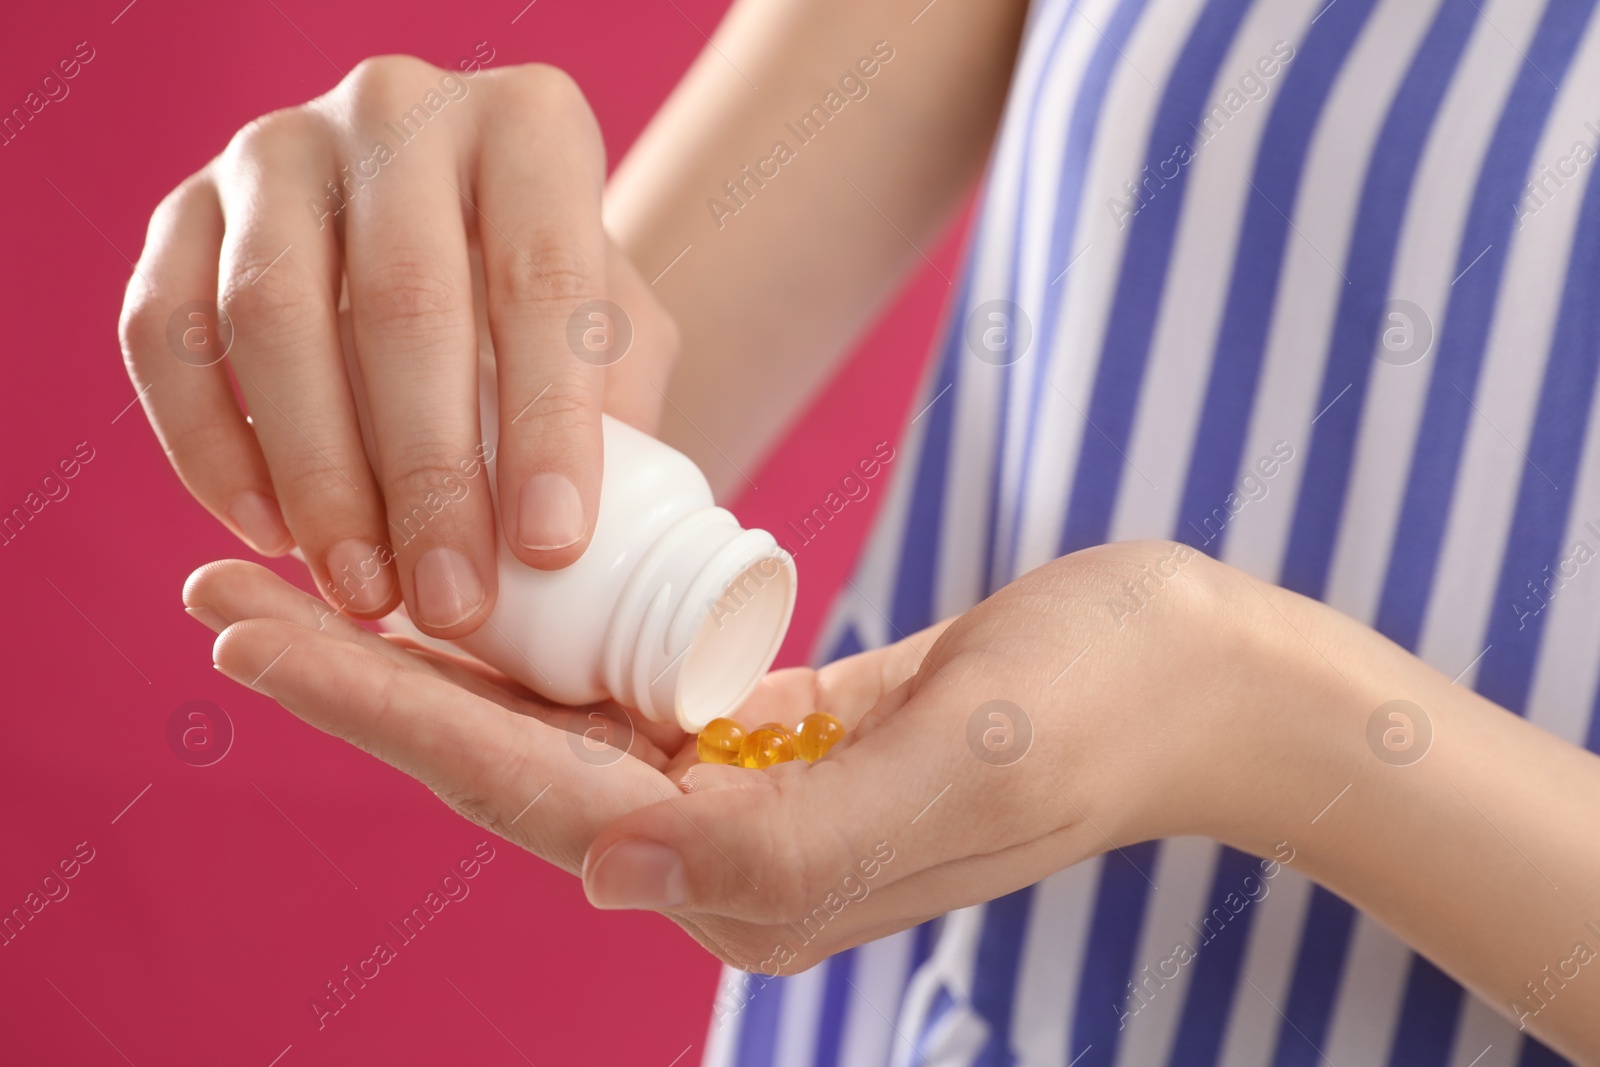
x: 725, y: 741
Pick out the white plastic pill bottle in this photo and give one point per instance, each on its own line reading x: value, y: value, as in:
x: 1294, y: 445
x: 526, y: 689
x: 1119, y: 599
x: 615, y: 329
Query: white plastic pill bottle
x: 674, y: 609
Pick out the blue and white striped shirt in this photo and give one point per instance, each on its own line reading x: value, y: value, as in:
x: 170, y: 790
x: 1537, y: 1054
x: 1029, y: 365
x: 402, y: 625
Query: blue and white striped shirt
x: 1353, y: 243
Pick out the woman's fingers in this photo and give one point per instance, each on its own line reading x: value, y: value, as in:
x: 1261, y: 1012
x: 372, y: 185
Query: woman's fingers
x: 229, y: 591
x: 279, y: 279
x: 232, y: 590
x: 514, y: 775
x: 173, y: 343
x: 539, y: 181
x: 459, y: 666
x: 851, y: 688
x: 411, y: 309
x: 847, y: 688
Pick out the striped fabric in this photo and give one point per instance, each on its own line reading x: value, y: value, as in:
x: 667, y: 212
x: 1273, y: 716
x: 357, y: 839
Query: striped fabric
x: 1362, y: 239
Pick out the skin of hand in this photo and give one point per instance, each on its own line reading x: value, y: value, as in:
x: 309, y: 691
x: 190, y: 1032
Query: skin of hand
x: 1121, y: 694
x: 504, y: 167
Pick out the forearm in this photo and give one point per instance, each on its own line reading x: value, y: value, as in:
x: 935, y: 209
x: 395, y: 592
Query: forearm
x: 772, y: 285
x: 1481, y: 854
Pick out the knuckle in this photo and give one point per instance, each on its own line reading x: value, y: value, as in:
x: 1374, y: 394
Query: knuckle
x: 543, y: 271
x: 566, y: 403
x: 190, y: 444
x: 194, y: 192
x: 313, y: 482
x: 542, y: 88
x: 382, y: 80
x: 152, y: 292
x: 279, y: 297
x: 472, y: 807
x: 407, y: 292
x: 424, y: 473
x: 572, y: 393
x: 567, y: 413
x: 271, y: 134
x: 386, y: 698
x: 141, y: 328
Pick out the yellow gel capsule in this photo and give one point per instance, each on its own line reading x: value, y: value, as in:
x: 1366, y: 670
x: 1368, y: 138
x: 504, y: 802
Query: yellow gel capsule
x: 818, y: 732
x: 763, y: 747
x: 719, y: 742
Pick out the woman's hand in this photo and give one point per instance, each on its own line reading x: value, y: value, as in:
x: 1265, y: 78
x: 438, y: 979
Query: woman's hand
x: 1093, y: 703
x: 384, y: 190
x: 1137, y: 691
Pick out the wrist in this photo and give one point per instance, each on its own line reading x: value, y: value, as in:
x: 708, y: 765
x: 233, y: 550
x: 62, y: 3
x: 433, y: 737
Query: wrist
x: 1299, y: 683
x: 1228, y: 720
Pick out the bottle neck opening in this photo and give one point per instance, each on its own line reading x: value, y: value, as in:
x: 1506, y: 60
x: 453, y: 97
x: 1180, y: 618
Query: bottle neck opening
x: 700, y: 620
x: 737, y: 642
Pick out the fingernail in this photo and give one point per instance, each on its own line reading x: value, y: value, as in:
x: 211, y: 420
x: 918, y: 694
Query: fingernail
x: 634, y: 873
x: 208, y: 616
x: 261, y: 523
x: 360, y: 582
x: 549, y: 512
x: 448, y: 589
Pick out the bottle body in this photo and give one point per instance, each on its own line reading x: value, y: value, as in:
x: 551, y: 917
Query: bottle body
x: 673, y: 609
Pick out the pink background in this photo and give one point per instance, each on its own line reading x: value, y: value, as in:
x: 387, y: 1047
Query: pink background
x: 224, y: 897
